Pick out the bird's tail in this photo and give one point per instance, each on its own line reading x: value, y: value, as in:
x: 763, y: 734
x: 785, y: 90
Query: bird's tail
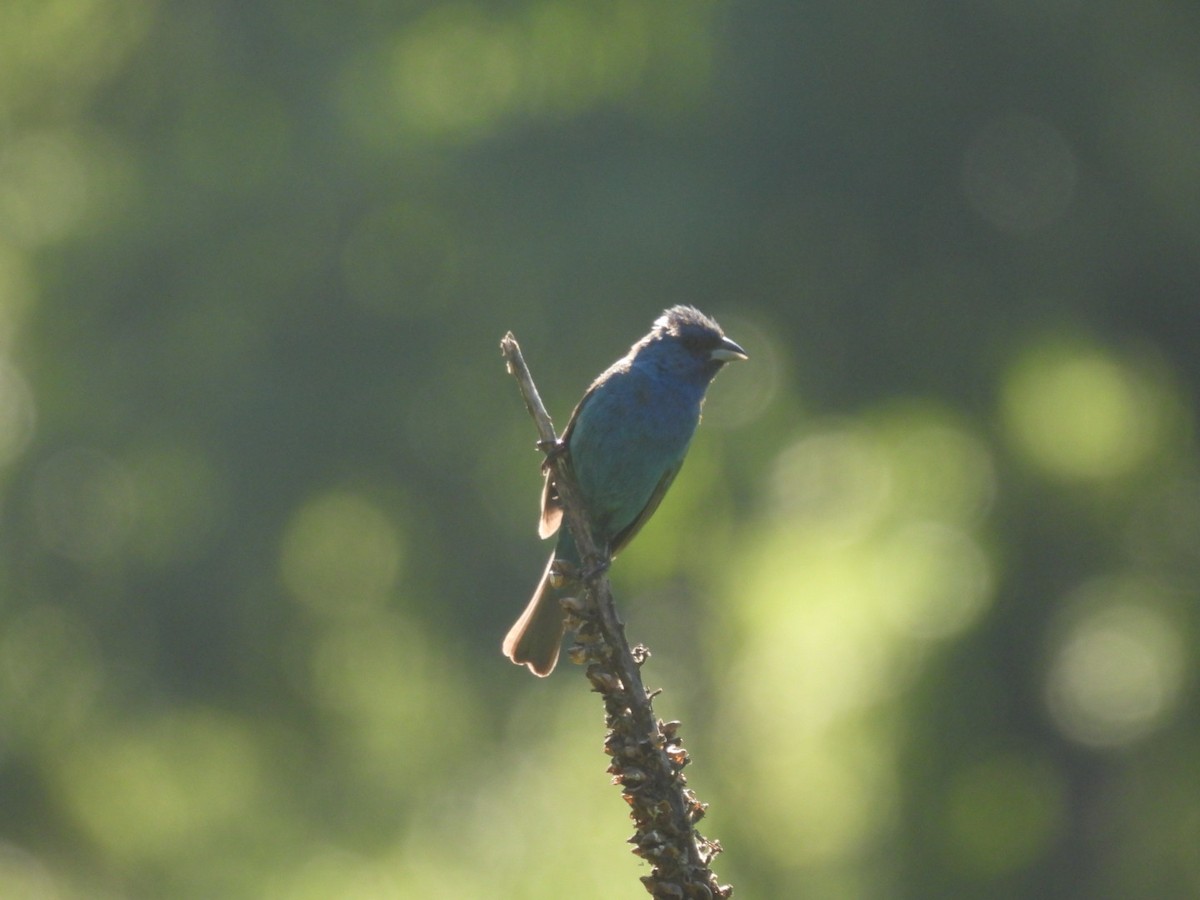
x: 535, y: 638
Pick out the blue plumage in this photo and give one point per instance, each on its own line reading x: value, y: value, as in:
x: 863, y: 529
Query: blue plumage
x: 627, y: 439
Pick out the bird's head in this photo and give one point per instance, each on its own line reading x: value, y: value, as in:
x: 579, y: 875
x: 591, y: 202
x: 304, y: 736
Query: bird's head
x: 684, y: 338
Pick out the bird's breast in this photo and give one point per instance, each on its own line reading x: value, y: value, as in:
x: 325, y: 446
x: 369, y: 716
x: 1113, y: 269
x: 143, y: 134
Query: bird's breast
x: 631, y: 431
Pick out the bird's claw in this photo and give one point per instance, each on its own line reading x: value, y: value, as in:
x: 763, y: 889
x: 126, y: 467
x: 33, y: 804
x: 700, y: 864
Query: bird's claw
x: 596, y: 569
x: 563, y: 572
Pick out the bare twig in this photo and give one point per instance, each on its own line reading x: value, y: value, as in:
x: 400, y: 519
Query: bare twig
x: 648, y: 757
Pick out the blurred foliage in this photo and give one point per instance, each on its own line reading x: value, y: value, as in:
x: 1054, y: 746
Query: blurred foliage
x: 925, y: 594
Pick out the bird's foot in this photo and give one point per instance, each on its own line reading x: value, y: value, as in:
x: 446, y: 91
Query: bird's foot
x: 596, y: 569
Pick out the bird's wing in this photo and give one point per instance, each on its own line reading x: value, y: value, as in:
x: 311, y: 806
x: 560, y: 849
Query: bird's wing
x: 625, y: 535
x: 552, y: 510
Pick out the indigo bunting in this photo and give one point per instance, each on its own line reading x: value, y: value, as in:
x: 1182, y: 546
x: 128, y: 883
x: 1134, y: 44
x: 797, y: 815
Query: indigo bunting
x: 626, y: 441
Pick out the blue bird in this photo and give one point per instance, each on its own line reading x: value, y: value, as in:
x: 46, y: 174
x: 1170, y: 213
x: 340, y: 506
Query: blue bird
x: 626, y: 440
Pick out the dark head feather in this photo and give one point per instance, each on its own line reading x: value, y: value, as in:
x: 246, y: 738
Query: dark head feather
x: 684, y: 321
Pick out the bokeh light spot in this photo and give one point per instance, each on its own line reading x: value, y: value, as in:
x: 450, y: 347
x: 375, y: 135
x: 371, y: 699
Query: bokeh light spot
x: 396, y: 707
x: 167, y: 784
x: 1080, y: 413
x: 68, y: 46
x: 25, y: 877
x: 580, y: 51
x: 1116, y: 669
x: 868, y: 560
x: 837, y: 481
x: 821, y: 640
x: 462, y: 70
x: 340, y: 553
x: 823, y: 804
x: 942, y: 471
x: 42, y: 188
x: 456, y: 70
x: 934, y: 581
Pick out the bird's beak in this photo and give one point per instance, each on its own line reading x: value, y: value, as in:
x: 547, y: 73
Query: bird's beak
x: 727, y: 351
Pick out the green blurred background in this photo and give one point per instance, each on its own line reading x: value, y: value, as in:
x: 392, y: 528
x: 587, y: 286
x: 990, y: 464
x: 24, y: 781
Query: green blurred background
x: 925, y: 594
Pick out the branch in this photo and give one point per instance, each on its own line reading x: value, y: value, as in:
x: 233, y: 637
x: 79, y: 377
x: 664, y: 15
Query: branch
x: 648, y: 757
